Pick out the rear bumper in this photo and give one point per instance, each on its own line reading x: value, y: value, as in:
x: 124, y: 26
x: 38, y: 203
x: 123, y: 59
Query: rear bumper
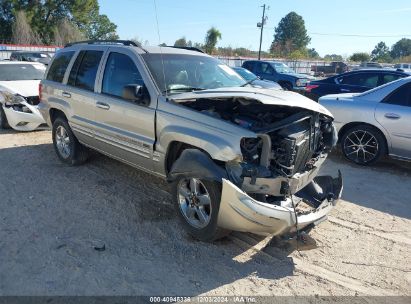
x: 240, y: 212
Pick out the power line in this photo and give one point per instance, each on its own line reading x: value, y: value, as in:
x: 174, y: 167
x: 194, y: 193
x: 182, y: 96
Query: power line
x: 358, y: 35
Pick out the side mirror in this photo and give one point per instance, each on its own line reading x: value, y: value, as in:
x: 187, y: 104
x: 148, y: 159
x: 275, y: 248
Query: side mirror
x: 136, y: 93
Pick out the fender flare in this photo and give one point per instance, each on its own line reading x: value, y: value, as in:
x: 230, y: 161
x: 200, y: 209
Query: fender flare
x: 197, y: 164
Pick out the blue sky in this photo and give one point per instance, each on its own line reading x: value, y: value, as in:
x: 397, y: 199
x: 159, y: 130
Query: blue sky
x: 237, y: 19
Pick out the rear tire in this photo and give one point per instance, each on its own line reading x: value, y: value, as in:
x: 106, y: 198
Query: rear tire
x: 3, y: 119
x: 198, y: 207
x: 363, y: 145
x: 68, y: 149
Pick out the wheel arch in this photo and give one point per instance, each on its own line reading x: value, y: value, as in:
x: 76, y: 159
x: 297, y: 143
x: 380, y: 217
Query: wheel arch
x: 350, y: 125
x: 54, y: 113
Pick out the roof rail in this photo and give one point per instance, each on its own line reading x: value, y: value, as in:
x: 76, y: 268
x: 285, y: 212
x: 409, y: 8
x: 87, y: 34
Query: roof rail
x: 123, y: 42
x: 189, y: 48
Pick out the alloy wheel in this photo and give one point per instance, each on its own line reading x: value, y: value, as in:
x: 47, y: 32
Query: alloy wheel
x: 361, y: 147
x: 63, y: 142
x: 194, y: 202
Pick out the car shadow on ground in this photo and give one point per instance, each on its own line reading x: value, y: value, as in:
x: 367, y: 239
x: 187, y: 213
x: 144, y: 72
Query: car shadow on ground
x: 384, y: 186
x: 55, y: 225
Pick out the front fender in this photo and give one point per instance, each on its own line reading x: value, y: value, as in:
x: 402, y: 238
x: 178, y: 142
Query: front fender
x: 197, y: 164
x: 216, y: 146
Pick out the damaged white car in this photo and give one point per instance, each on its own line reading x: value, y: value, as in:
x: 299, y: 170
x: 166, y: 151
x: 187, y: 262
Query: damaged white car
x: 19, y: 95
x: 238, y: 157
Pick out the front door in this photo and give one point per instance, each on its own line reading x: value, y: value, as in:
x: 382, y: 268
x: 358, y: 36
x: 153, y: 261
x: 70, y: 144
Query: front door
x: 124, y: 128
x: 394, y: 114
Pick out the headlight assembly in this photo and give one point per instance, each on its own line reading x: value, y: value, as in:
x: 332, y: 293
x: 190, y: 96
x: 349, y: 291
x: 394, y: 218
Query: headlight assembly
x: 12, y: 99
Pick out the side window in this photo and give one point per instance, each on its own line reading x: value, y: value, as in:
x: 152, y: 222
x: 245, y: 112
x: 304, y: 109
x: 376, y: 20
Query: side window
x: 84, y: 71
x: 120, y: 71
x: 406, y: 66
x: 400, y: 97
x: 360, y: 79
x: 265, y: 68
x: 389, y: 77
x: 248, y: 66
x: 59, y: 66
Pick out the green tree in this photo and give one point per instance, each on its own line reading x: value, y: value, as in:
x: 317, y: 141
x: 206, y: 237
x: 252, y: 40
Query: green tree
x: 401, y: 48
x: 360, y: 57
x: 44, y: 17
x: 381, y: 53
x: 181, y: 42
x: 312, y: 53
x: 212, y: 37
x: 290, y: 35
x: 333, y: 57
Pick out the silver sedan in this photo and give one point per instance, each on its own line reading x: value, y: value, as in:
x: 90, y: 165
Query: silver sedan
x: 374, y: 123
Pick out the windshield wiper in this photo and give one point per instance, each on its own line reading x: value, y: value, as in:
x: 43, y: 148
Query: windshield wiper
x: 249, y: 82
x: 184, y: 89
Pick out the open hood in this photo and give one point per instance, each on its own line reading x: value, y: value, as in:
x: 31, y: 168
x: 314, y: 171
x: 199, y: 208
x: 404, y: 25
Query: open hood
x: 24, y: 88
x: 265, y: 96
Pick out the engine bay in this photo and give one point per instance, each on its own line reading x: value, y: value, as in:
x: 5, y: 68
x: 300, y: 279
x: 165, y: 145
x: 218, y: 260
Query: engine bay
x: 289, y: 140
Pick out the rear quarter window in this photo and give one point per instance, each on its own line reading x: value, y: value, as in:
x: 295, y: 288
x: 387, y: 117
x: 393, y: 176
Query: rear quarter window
x: 59, y: 66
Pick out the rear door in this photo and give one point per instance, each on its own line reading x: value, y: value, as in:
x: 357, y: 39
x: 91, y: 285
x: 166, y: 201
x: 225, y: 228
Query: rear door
x: 357, y: 82
x: 394, y: 114
x: 125, y: 129
x: 80, y: 93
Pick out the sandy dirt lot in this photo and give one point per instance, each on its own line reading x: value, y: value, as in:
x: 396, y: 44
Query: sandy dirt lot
x: 52, y: 216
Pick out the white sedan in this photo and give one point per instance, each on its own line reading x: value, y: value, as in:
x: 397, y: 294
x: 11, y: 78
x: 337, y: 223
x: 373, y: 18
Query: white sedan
x: 19, y: 95
x: 374, y: 123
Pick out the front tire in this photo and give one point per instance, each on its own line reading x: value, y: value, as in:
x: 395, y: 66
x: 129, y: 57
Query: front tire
x: 67, y: 147
x: 363, y: 145
x: 197, y: 202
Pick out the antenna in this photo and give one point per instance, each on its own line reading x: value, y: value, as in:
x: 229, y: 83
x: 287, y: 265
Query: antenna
x: 161, y: 48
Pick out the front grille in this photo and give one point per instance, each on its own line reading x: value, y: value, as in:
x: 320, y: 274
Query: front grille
x: 33, y: 100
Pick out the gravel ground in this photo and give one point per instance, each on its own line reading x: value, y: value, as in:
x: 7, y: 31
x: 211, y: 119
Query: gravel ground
x: 53, y: 217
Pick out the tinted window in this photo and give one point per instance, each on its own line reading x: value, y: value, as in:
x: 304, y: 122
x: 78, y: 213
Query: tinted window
x: 59, y: 66
x: 120, y: 71
x: 265, y: 68
x: 401, y: 96
x: 389, y: 77
x: 248, y: 65
x: 360, y: 79
x: 84, y: 71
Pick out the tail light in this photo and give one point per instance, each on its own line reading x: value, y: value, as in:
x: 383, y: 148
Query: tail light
x: 309, y: 87
x: 40, y: 89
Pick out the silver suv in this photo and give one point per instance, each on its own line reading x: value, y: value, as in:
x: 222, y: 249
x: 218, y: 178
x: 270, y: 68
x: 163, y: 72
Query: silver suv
x: 238, y: 157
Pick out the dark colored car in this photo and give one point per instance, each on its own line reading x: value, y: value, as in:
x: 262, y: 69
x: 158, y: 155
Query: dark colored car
x: 42, y: 57
x: 352, y: 82
x: 253, y: 80
x: 278, y: 72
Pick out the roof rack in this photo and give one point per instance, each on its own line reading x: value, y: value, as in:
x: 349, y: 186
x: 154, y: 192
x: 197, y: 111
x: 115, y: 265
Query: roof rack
x: 123, y: 42
x: 189, y: 48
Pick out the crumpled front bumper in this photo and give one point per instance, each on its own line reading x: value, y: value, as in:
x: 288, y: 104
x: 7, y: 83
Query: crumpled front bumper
x: 240, y: 212
x: 23, y: 121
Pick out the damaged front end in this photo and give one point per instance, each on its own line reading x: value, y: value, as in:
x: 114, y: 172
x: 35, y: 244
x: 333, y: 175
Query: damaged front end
x: 21, y: 112
x: 274, y: 188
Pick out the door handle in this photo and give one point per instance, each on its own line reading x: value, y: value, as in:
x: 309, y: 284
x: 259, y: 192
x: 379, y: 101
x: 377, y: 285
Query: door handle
x: 102, y: 105
x: 345, y: 90
x: 66, y: 94
x: 392, y: 116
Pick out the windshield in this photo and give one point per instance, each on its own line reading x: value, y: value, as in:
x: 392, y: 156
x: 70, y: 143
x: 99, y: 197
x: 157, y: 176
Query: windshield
x: 282, y: 68
x: 246, y: 74
x: 189, y: 72
x: 12, y: 72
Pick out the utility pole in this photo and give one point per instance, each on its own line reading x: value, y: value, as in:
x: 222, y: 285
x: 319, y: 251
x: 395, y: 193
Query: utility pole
x: 261, y: 25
